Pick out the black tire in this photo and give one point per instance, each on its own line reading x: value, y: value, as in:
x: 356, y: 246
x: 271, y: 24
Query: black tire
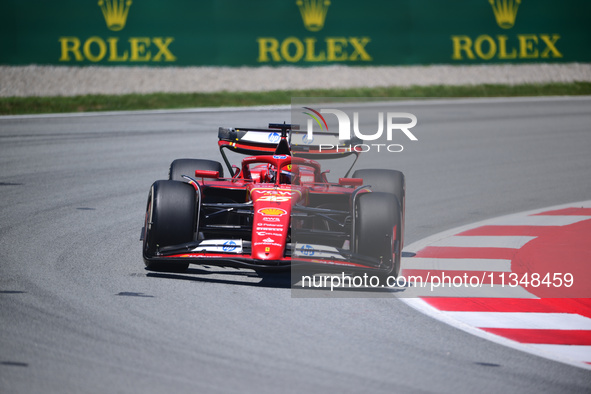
x: 187, y: 167
x: 170, y: 220
x: 378, y: 230
x: 386, y: 181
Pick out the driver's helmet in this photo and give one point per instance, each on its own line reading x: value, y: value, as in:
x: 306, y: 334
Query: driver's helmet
x: 285, y: 176
x: 290, y: 174
x: 270, y: 175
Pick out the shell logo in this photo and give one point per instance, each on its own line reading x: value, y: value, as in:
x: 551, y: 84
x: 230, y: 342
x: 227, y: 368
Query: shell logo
x: 272, y: 211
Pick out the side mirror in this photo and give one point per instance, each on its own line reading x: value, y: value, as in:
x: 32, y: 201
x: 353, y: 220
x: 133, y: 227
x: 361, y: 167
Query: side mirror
x: 350, y: 181
x: 207, y: 174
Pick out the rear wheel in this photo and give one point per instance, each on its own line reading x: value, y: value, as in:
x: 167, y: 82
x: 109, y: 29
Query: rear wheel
x: 378, y: 230
x: 170, y: 220
x: 181, y: 167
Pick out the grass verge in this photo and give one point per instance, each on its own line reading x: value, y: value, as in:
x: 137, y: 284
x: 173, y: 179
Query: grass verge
x: 88, y: 103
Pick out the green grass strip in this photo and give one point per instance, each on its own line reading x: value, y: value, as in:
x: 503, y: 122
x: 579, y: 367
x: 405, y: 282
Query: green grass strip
x: 88, y: 103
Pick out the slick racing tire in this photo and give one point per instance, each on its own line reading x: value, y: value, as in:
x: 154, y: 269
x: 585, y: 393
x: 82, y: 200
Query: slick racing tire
x: 378, y: 230
x: 181, y: 167
x: 386, y: 181
x: 170, y: 220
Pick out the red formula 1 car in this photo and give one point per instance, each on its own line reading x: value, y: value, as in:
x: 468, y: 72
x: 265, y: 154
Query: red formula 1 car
x: 276, y: 210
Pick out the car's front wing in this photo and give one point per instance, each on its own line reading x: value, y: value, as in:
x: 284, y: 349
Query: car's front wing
x: 236, y: 253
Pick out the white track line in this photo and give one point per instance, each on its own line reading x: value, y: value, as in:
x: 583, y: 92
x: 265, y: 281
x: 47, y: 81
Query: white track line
x: 574, y: 352
x: 542, y: 220
x: 406, y: 103
x: 425, y: 263
x: 523, y: 320
x: 493, y: 241
x: 462, y: 291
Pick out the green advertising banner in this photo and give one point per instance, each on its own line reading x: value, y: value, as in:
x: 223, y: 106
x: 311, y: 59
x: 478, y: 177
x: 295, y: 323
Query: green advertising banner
x: 293, y: 32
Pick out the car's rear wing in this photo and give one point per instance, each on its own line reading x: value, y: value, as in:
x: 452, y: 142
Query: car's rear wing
x: 254, y: 142
x: 251, y: 141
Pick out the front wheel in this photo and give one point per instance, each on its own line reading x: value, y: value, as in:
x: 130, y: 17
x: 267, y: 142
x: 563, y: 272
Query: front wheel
x: 378, y: 230
x: 386, y: 181
x: 170, y: 220
x: 180, y: 167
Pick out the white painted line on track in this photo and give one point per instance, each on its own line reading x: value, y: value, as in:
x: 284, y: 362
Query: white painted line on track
x: 485, y: 241
x: 397, y: 103
x: 447, y: 291
x: 575, y: 352
x: 151, y: 112
x: 542, y: 220
x: 524, y: 320
x: 425, y: 263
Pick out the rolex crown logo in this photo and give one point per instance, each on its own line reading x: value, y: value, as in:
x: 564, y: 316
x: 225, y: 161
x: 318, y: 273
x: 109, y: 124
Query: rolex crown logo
x: 115, y: 13
x: 505, y: 12
x: 313, y: 13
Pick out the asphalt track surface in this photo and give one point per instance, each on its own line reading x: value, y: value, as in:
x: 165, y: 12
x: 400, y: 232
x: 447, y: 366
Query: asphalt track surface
x: 79, y: 313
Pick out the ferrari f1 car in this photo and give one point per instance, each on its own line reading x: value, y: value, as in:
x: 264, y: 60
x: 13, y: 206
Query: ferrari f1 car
x: 276, y: 210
